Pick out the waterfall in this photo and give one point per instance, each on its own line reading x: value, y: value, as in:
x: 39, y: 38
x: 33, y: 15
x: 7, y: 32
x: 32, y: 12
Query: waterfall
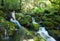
x: 33, y: 20
x: 6, y: 37
x: 17, y: 23
x: 42, y: 31
x: 14, y: 20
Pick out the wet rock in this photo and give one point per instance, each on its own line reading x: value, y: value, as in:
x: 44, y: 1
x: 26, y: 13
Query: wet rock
x: 35, y: 26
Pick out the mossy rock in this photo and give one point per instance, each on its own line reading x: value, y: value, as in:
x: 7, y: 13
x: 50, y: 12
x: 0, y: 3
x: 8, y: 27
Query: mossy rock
x: 38, y: 19
x: 19, y: 16
x: 55, y: 34
x: 42, y: 40
x: 35, y: 26
x: 36, y: 38
x: 18, y: 35
x: 39, y: 38
x: 7, y: 25
x: 48, y: 24
x: 28, y: 17
x: 25, y: 21
x: 57, y: 18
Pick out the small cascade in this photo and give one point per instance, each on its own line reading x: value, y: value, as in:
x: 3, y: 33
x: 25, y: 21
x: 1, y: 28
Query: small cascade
x: 6, y: 37
x: 42, y: 31
x: 22, y: 30
x: 17, y: 23
x: 33, y: 20
x: 12, y: 19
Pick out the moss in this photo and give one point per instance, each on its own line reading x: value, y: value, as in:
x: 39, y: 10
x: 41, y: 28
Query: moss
x: 19, y: 16
x: 37, y: 9
x: 7, y: 25
x: 35, y: 26
x: 42, y: 40
x: 36, y: 39
x: 18, y: 36
x: 57, y: 18
x: 56, y: 32
x: 48, y: 24
x: 2, y: 13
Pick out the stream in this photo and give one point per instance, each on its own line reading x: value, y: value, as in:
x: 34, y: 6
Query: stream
x: 6, y: 37
x: 42, y: 31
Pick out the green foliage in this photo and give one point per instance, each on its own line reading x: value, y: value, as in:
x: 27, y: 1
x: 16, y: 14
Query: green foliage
x: 50, y: 20
x: 2, y: 13
x: 7, y: 25
x: 19, y: 16
x: 36, y: 39
x: 37, y: 10
x: 23, y: 19
x: 48, y: 24
x: 10, y: 4
x: 13, y: 4
x: 35, y: 26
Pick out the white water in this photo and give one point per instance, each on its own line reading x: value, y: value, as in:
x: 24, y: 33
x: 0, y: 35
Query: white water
x: 15, y: 21
x: 17, y: 24
x: 6, y: 37
x: 42, y: 31
x: 33, y: 21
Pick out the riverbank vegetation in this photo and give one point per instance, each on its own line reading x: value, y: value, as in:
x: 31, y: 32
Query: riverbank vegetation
x: 45, y: 12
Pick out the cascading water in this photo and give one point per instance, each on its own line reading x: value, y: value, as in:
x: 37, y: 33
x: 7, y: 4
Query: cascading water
x: 6, y: 37
x: 12, y: 19
x: 22, y: 31
x: 17, y: 23
x: 42, y: 31
x: 33, y: 20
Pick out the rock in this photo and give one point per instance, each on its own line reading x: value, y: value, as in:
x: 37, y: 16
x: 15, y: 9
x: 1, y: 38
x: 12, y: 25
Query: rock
x: 36, y: 38
x: 35, y: 26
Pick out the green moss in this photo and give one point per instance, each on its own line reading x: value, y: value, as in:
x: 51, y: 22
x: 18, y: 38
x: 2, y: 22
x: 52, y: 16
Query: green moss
x: 19, y: 16
x: 37, y: 9
x: 36, y: 39
x: 56, y: 32
x: 7, y: 25
x: 48, y: 24
x: 35, y: 26
x: 57, y: 18
x: 2, y: 13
